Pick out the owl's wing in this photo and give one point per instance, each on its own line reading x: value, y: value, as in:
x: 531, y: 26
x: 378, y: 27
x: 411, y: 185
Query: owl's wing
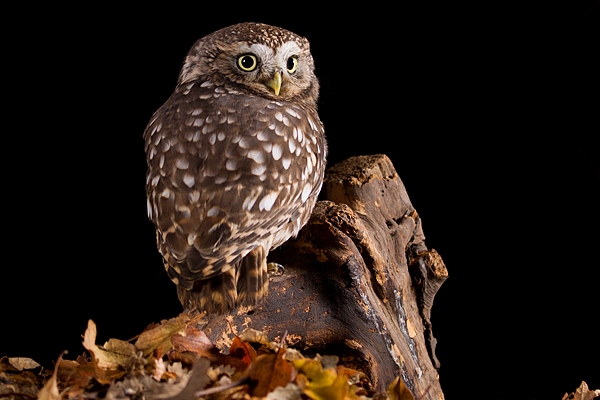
x: 228, y: 173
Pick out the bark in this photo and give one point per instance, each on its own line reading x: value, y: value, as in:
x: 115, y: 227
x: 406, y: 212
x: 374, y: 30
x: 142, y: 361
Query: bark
x: 359, y: 282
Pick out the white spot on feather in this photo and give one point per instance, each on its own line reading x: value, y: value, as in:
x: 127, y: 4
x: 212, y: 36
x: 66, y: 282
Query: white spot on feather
x: 306, y: 192
x: 182, y: 163
x: 266, y: 203
x: 258, y: 169
x: 231, y: 165
x: 262, y: 136
x: 286, y: 162
x: 194, y: 196
x: 276, y: 151
x: 257, y: 155
x: 292, y: 112
x: 189, y: 180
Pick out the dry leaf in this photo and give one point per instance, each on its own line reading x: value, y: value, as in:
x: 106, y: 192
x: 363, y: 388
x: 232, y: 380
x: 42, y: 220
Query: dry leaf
x: 158, y: 338
x: 255, y: 336
x: 193, y: 340
x: 320, y: 383
x: 242, y: 350
x: 198, y: 380
x: 269, y: 371
x: 582, y: 393
x: 290, y: 392
x: 397, y: 390
x: 21, y: 363
x: 120, y: 347
x: 50, y: 389
x: 105, y: 360
x: 75, y: 375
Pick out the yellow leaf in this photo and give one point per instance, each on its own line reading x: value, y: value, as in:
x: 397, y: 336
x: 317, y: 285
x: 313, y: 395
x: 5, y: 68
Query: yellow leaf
x: 159, y: 337
x: 397, y: 390
x: 105, y: 360
x: 321, y: 384
x: 337, y: 390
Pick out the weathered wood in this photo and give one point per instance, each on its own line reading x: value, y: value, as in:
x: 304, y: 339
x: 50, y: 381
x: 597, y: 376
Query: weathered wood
x: 347, y: 289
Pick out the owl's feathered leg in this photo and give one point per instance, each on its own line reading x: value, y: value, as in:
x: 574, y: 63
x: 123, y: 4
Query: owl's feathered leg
x: 214, y: 295
x: 252, y: 281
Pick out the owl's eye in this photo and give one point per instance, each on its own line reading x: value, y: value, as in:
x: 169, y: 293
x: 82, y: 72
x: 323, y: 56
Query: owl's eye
x: 247, y: 62
x: 292, y: 64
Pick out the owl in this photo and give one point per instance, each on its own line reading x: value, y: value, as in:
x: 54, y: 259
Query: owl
x: 235, y: 162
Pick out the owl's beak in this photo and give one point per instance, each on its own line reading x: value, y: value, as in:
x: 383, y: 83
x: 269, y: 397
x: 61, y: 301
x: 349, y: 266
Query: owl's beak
x: 275, y: 83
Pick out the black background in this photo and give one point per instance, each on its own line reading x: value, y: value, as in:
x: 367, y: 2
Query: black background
x: 490, y: 114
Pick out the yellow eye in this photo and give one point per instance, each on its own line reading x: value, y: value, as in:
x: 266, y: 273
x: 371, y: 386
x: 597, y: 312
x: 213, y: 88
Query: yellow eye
x: 292, y: 64
x: 247, y: 62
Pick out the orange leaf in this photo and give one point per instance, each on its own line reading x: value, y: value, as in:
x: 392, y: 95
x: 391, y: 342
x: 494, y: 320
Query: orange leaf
x: 242, y: 350
x: 194, y: 340
x: 269, y: 371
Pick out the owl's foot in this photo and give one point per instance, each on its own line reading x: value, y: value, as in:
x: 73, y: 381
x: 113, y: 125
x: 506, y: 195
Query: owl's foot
x: 275, y: 269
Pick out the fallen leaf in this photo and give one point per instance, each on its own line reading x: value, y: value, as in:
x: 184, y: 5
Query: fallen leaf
x: 242, y: 350
x: 256, y: 336
x: 197, y: 381
x: 338, y: 389
x: 582, y: 393
x: 290, y: 392
x: 320, y: 383
x: 50, y: 389
x: 269, y: 371
x: 158, y: 339
x: 120, y: 347
x: 21, y: 363
x: 193, y: 340
x: 76, y: 376
x: 397, y: 390
x: 106, y: 360
x: 26, y: 382
x: 159, y: 369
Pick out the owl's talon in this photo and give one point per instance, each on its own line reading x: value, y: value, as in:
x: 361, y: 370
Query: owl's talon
x: 275, y: 269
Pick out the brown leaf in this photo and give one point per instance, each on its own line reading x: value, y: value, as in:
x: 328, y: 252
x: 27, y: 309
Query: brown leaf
x: 50, y: 389
x: 157, y: 340
x: 582, y: 393
x: 21, y: 363
x: 198, y: 380
x: 105, y: 359
x: 269, y: 371
x: 193, y: 340
x: 75, y: 375
x: 242, y: 350
x: 27, y: 382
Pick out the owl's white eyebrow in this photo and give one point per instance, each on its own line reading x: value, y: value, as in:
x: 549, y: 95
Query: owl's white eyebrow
x: 286, y: 50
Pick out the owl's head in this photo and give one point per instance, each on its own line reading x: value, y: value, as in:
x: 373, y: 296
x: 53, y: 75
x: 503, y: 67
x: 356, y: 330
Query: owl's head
x: 251, y: 57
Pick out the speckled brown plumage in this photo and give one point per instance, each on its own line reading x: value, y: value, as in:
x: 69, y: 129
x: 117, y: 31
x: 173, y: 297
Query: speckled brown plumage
x: 236, y: 158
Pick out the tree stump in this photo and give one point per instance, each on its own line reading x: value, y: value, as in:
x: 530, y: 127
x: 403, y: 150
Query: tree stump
x: 359, y: 282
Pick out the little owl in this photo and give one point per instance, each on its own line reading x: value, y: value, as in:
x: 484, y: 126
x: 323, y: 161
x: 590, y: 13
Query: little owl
x: 236, y: 158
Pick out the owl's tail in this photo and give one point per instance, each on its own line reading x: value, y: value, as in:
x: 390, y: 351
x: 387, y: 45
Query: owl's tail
x: 246, y: 284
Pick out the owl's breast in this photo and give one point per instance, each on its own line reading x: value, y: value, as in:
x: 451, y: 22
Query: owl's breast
x: 238, y: 166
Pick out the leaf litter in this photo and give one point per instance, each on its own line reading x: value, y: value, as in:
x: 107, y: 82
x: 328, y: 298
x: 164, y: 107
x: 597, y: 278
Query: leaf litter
x: 175, y: 360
